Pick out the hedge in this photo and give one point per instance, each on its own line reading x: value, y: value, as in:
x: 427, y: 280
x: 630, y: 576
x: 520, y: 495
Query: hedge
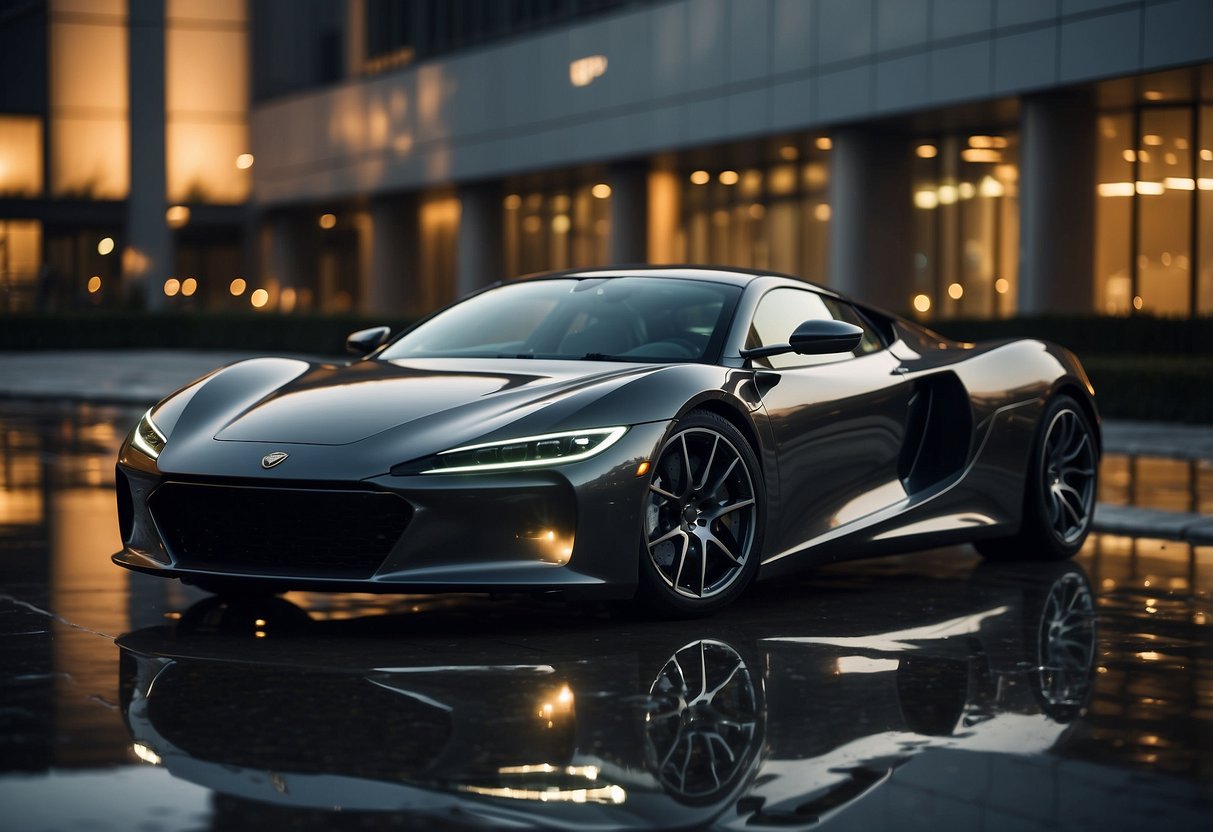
x: 228, y: 331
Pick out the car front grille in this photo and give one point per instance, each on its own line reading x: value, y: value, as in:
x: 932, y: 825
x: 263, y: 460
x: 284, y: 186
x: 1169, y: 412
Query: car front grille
x: 278, y: 531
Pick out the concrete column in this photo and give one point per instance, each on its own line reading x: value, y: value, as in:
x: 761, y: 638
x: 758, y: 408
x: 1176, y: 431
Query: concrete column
x: 1056, y: 203
x: 148, y: 260
x: 478, y: 246
x: 629, y: 212
x: 871, y: 224
x: 392, y: 270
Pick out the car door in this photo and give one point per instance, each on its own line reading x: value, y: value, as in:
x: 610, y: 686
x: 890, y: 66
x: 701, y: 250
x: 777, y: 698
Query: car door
x: 838, y: 420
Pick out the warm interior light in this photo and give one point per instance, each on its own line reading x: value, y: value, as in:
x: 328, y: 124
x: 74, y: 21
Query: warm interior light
x: 927, y: 151
x: 189, y: 286
x: 700, y: 177
x: 948, y: 194
x: 1115, y: 189
x: 788, y: 153
x: 1138, y: 302
x: 94, y: 284
x: 172, y: 286
x: 1002, y: 285
x: 729, y: 177
x: 105, y: 245
x: 956, y: 291
x: 328, y: 220
x: 821, y: 212
x: 1150, y: 188
x: 237, y: 287
x: 244, y: 161
x: 177, y: 216
x: 583, y: 71
x: 1179, y: 183
x: 259, y: 298
x: 561, y: 224
x: 602, y: 190
x: 926, y: 198
x: 513, y: 202
x: 824, y: 143
x: 922, y: 303
x: 966, y: 190
x: 981, y: 155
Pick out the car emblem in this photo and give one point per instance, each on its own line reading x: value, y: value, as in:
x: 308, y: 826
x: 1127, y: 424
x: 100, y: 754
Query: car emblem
x: 270, y: 460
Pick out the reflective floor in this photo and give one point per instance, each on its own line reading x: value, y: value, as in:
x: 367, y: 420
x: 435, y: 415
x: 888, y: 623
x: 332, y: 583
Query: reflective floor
x: 928, y: 691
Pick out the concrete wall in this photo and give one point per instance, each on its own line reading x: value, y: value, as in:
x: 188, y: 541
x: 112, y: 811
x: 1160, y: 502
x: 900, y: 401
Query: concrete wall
x: 696, y: 72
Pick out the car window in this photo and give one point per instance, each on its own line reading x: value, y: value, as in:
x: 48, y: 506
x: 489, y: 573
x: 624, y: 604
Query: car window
x: 780, y: 311
x: 620, y: 318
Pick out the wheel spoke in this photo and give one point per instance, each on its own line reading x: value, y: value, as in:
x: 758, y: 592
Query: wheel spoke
x: 720, y: 480
x: 656, y: 489
x: 1067, y: 457
x: 682, y: 559
x: 686, y: 456
x: 670, y: 535
x: 731, y: 507
x: 707, y: 469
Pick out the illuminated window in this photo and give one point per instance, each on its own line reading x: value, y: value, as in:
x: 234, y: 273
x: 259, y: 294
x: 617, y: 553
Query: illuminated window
x: 90, y: 146
x: 1154, y: 189
x: 966, y: 226
x: 557, y: 228
x: 206, y: 91
x: 20, y: 156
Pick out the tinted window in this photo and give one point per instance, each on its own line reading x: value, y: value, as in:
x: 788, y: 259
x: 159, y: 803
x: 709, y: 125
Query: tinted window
x: 624, y: 318
x: 782, y: 310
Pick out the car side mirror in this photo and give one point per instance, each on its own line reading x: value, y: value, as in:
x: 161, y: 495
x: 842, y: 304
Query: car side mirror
x: 822, y: 337
x: 365, y: 340
x: 816, y: 337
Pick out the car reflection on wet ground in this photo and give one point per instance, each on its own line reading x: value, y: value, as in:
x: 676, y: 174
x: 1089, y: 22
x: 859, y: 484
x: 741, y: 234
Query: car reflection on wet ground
x: 926, y: 690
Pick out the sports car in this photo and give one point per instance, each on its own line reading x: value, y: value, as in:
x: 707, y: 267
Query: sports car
x: 663, y: 434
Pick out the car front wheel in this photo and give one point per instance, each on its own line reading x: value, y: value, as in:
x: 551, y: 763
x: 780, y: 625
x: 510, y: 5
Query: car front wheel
x: 703, y: 519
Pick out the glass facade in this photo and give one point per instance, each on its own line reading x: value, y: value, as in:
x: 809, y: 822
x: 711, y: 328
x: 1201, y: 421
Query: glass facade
x: 1154, y: 197
x: 775, y: 216
x: 966, y: 225
x: 556, y: 228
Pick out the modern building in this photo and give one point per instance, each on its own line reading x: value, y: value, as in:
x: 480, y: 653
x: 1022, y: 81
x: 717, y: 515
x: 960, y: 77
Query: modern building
x: 123, y: 151
x: 974, y: 158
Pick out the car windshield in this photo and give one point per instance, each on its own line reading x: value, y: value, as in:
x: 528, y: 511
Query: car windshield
x: 604, y: 319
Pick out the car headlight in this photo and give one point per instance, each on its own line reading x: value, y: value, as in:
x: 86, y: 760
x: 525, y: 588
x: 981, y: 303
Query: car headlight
x: 148, y: 438
x: 527, y: 451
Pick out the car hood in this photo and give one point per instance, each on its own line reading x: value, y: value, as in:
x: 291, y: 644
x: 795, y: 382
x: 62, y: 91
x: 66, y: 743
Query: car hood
x: 337, y: 405
x: 356, y: 421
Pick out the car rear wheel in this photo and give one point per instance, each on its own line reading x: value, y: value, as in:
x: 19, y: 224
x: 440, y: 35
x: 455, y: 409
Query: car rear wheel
x: 703, y: 519
x: 1059, y: 494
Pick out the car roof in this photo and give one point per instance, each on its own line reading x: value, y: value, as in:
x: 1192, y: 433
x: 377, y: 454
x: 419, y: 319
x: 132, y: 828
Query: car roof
x: 716, y: 274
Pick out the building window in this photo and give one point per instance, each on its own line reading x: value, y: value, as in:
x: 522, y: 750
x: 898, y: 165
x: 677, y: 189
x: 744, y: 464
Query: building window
x: 20, y: 156
x: 206, y: 102
x: 557, y: 229
x: 90, y: 133
x: 774, y: 217
x: 23, y: 283
x: 966, y: 225
x: 1154, y: 195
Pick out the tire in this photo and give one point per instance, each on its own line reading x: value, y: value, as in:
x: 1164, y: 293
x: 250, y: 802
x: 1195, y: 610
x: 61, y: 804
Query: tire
x: 1059, y: 491
x: 706, y: 495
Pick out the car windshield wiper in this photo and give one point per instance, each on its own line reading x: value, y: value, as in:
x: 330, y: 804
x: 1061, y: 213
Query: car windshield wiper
x: 600, y: 356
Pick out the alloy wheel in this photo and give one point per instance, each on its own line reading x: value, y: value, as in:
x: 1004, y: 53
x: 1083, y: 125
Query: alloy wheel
x: 1068, y: 467
x: 701, y: 514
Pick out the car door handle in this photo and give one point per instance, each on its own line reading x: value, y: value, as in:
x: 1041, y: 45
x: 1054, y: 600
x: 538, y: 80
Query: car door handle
x: 899, y: 371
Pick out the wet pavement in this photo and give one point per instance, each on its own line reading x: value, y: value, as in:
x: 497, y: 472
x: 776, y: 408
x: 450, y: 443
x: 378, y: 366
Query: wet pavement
x: 929, y: 690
